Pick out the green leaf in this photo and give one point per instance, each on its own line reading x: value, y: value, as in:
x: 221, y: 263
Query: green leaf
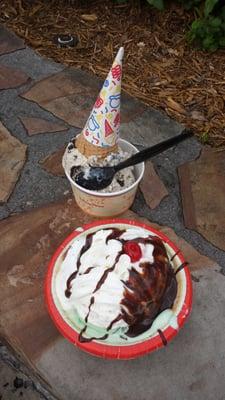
x: 222, y: 13
x: 215, y: 22
x: 198, y: 28
x: 222, y: 42
x: 157, y: 4
x: 209, y: 6
x: 208, y: 42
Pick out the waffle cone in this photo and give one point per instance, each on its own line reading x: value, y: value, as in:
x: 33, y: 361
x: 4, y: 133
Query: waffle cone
x: 88, y: 149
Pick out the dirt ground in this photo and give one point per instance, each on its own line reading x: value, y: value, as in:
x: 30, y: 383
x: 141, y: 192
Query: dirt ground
x: 160, y: 68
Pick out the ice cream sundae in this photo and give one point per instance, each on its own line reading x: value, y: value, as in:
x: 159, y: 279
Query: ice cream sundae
x: 115, y: 281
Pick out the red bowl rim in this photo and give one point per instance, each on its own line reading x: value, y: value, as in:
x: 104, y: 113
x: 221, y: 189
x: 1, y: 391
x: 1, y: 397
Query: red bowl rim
x: 100, y: 349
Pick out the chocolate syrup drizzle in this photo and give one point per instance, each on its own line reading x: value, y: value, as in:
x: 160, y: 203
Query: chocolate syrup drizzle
x: 175, y: 254
x: 98, y: 286
x: 81, y: 337
x: 161, y: 334
x: 146, y: 293
x: 86, y: 247
x: 149, y: 292
x: 181, y: 267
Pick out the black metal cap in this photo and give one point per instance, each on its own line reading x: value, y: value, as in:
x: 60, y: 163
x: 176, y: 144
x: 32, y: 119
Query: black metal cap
x: 65, y: 40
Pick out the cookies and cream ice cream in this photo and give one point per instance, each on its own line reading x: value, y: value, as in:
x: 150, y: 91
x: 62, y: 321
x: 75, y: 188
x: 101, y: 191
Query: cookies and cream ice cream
x: 74, y: 162
x: 116, y: 279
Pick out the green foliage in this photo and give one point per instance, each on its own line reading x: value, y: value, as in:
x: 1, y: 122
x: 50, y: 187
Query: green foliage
x: 189, y: 4
x: 207, y: 31
x: 157, y: 4
x: 209, y: 6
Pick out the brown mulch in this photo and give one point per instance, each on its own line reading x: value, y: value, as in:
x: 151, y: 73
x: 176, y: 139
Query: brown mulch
x: 160, y: 68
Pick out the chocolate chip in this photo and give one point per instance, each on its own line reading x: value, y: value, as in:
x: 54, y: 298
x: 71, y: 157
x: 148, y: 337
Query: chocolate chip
x: 74, y: 171
x: 121, y: 182
x: 70, y: 146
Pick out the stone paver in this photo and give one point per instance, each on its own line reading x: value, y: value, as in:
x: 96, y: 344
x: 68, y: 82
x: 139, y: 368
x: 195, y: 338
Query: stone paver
x: 27, y: 241
x: 12, y: 159
x: 192, y: 366
x: 203, y: 195
x: 11, y: 77
x: 70, y: 95
x: 150, y: 128
x: 36, y: 126
x: 23, y: 59
x: 53, y: 163
x: 9, y: 42
x: 153, y: 189
x: 14, y: 385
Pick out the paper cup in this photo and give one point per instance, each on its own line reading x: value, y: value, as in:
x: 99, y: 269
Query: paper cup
x: 108, y: 204
x: 165, y: 326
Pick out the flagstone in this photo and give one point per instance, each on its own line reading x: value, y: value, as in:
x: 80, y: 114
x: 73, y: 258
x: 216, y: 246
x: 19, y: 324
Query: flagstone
x: 202, y: 183
x: 28, y: 240
x: 153, y: 189
x: 11, y: 78
x: 149, y: 128
x: 35, y: 126
x: 9, y: 42
x: 192, y: 364
x: 12, y: 159
x: 71, y: 94
x: 53, y: 162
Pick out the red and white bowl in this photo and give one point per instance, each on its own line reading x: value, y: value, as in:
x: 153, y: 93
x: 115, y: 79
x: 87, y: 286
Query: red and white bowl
x: 181, y: 307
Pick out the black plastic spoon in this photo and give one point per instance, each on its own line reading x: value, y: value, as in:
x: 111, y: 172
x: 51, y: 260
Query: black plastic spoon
x: 99, y: 178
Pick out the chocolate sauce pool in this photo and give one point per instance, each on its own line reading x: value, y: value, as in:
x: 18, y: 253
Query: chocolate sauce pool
x: 146, y: 293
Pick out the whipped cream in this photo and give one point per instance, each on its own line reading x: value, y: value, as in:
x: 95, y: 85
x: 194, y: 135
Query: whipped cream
x: 74, y: 162
x: 100, y: 282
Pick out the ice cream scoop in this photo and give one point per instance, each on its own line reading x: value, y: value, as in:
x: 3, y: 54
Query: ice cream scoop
x: 97, y: 178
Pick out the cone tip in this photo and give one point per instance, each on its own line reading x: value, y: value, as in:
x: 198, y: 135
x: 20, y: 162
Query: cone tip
x: 120, y: 54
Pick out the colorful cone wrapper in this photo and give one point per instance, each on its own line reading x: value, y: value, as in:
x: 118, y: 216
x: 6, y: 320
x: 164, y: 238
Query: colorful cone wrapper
x: 103, y: 124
